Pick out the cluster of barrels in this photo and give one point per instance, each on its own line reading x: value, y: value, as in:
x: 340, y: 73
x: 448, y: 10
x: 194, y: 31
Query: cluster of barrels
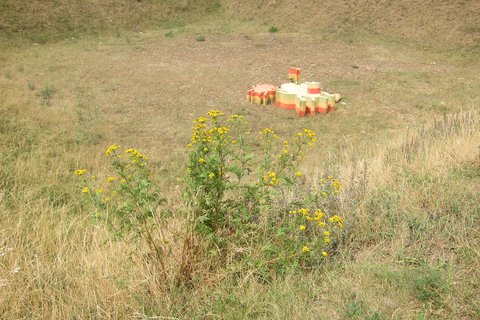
x: 305, y: 98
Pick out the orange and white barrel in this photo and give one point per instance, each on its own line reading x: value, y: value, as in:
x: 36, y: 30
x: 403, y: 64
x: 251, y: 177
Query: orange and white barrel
x: 331, y: 103
x: 301, y: 107
x: 313, y: 88
x: 322, y: 105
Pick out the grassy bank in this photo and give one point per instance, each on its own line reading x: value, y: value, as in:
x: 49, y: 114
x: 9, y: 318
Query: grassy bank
x: 446, y: 24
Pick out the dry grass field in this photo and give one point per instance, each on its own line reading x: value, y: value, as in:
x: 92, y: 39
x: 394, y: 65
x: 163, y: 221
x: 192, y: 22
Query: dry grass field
x: 76, y: 77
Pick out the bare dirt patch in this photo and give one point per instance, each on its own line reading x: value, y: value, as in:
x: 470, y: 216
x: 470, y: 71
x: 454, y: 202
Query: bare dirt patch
x: 145, y: 89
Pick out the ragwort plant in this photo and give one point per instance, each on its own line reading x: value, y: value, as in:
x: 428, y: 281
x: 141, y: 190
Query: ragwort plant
x: 234, y: 194
x: 209, y: 162
x: 235, y: 197
x: 127, y: 200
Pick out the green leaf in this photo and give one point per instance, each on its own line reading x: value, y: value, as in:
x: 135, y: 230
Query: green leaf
x: 248, y: 157
x: 237, y: 171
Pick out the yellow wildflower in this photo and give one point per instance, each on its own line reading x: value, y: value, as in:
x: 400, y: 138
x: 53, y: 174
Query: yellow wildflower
x: 85, y: 190
x: 80, y: 172
x: 298, y: 173
x: 327, y: 233
x: 112, y: 149
x: 211, y: 175
x: 305, y: 249
x: 135, y: 154
x: 338, y: 220
x: 304, y: 211
x: 99, y: 190
x: 325, y: 253
x: 200, y: 121
x: 215, y: 113
x: 111, y: 179
x: 270, y: 178
x: 336, y: 184
x: 201, y: 160
x: 319, y: 215
x: 302, y: 227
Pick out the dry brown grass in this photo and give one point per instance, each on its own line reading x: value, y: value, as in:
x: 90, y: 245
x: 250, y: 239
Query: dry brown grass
x: 412, y: 251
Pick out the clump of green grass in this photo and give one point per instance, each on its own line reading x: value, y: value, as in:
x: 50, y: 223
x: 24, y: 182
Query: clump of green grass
x: 46, y: 94
x: 200, y: 38
x: 169, y: 34
x: 273, y: 29
x: 31, y: 85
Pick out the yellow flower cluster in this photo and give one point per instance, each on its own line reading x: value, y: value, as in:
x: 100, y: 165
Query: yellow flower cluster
x: 267, y: 132
x: 337, y: 186
x: 309, y: 136
x: 236, y: 117
x: 201, y: 133
x: 135, y: 154
x: 219, y: 130
x: 112, y: 179
x: 285, y: 147
x: 270, y: 178
x: 315, y: 227
x: 80, y: 172
x: 112, y: 149
x: 330, y: 185
x: 215, y: 113
x: 338, y: 220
